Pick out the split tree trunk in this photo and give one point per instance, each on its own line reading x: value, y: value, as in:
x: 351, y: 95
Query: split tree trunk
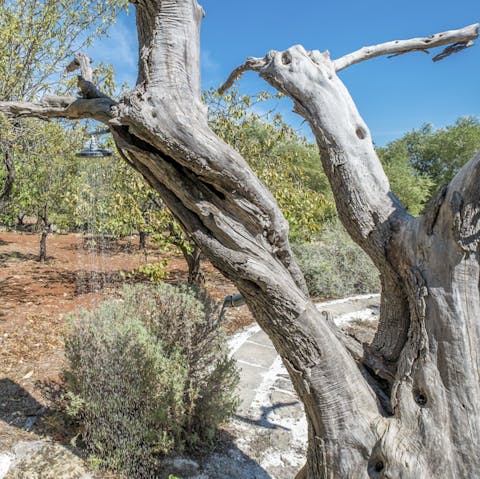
x: 408, y: 405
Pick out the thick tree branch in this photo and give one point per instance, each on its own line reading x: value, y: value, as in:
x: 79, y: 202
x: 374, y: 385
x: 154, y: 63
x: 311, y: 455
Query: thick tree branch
x: 70, y: 108
x: 83, y: 63
x: 364, y: 200
x: 170, y: 55
x: 461, y: 204
x: 227, y: 211
x: 365, y: 203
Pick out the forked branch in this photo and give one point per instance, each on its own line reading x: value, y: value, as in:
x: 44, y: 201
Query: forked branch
x: 83, y: 63
x: 85, y: 79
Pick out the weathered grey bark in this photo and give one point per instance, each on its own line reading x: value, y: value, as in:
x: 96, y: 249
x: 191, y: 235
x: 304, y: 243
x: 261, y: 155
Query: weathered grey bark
x: 408, y: 407
x: 425, y: 347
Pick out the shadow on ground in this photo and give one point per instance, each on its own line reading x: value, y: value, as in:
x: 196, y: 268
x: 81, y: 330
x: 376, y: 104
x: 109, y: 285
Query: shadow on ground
x: 18, y: 408
x: 21, y: 410
x: 29, y: 455
x: 263, y: 421
x: 103, y: 245
x: 227, y: 461
x: 17, y: 256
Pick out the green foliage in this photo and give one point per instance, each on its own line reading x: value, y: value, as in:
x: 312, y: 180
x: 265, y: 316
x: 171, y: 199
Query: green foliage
x: 427, y: 158
x: 171, y: 236
x: 411, y: 187
x: 125, y: 385
x: 46, y: 172
x: 149, y: 375
x: 284, y: 161
x: 102, y: 196
x: 155, y: 272
x: 441, y: 153
x: 334, y: 266
x: 112, y: 199
x: 39, y: 38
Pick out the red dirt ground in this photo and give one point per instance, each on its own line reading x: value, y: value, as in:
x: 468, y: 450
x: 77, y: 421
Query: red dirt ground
x: 35, y: 299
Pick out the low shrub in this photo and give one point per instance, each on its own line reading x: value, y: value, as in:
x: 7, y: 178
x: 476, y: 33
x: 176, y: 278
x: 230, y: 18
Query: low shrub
x: 149, y: 375
x: 334, y: 266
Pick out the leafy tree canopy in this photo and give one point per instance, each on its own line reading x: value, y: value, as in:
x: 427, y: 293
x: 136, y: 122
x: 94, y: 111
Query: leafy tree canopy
x: 422, y: 160
x: 37, y: 41
x: 39, y: 38
x: 283, y: 160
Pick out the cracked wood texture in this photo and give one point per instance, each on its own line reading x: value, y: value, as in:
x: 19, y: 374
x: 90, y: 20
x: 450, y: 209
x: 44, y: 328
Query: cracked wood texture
x: 407, y: 406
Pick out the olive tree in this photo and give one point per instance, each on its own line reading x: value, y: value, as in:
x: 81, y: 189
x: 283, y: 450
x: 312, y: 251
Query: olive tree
x: 408, y: 405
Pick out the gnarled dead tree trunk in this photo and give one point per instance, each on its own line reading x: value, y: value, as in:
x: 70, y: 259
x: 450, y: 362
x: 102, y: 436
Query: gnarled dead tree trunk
x: 409, y: 405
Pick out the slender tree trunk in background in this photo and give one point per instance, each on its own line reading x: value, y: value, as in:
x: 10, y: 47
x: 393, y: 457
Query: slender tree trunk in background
x: 195, y: 273
x: 43, y: 246
x: 142, y: 242
x: 9, y: 179
x: 408, y: 406
x: 191, y: 252
x: 47, y: 228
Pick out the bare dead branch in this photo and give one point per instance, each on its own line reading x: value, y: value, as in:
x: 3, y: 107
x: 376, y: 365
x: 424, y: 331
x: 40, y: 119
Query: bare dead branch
x: 251, y: 64
x: 85, y: 80
x: 456, y: 47
x: 61, y: 107
x: 83, y: 63
x: 463, y: 37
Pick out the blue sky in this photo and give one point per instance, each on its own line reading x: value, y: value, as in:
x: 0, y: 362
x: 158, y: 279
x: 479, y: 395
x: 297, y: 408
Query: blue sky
x: 393, y: 95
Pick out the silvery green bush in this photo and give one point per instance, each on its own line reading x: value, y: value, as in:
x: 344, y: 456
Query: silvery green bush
x: 334, y: 266
x: 149, y: 375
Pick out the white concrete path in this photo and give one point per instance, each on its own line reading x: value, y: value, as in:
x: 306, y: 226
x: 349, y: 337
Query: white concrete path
x: 257, y: 358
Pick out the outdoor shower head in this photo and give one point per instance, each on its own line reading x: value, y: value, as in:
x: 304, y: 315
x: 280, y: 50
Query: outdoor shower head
x: 92, y: 150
